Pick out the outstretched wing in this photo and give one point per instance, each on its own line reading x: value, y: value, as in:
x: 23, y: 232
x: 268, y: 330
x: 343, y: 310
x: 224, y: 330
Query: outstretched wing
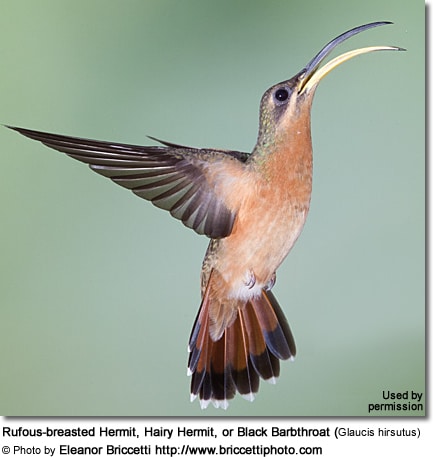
x: 174, y: 178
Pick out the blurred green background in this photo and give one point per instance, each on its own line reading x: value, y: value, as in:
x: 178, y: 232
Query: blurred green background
x: 99, y: 289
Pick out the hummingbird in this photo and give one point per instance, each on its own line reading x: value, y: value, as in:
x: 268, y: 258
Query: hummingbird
x: 252, y: 206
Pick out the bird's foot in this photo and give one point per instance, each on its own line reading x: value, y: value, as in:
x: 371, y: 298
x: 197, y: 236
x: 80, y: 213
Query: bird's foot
x: 271, y: 282
x: 250, y: 279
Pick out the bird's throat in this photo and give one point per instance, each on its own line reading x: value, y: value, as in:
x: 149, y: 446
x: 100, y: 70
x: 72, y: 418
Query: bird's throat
x: 285, y: 157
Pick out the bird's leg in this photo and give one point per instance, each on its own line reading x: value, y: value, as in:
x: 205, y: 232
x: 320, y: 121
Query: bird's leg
x: 250, y: 279
x: 272, y: 281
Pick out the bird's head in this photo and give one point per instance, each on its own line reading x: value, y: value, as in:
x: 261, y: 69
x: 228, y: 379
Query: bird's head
x: 286, y: 101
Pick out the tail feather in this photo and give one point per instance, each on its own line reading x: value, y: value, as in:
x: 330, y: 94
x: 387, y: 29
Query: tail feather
x: 278, y: 336
x: 221, y: 380
x: 263, y: 360
x: 244, y: 375
x: 250, y: 348
x: 199, y: 339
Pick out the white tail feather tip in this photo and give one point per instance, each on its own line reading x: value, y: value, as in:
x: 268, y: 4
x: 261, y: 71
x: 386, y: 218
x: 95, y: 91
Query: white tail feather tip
x: 249, y: 397
x: 223, y: 404
x: 204, y: 404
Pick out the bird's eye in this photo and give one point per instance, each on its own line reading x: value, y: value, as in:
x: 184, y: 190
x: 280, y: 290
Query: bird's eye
x: 281, y: 95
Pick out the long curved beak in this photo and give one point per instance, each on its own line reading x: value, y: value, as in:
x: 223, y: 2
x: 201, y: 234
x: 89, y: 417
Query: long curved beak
x: 311, y: 74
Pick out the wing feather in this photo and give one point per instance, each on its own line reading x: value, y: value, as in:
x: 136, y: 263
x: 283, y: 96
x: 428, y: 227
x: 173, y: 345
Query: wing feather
x: 173, y: 177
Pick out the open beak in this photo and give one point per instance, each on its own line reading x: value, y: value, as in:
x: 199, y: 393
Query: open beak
x: 312, y: 74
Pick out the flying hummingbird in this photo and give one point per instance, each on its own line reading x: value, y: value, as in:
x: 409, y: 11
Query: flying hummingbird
x: 252, y: 206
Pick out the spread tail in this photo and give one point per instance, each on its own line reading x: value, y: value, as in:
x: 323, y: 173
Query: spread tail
x: 250, y: 348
